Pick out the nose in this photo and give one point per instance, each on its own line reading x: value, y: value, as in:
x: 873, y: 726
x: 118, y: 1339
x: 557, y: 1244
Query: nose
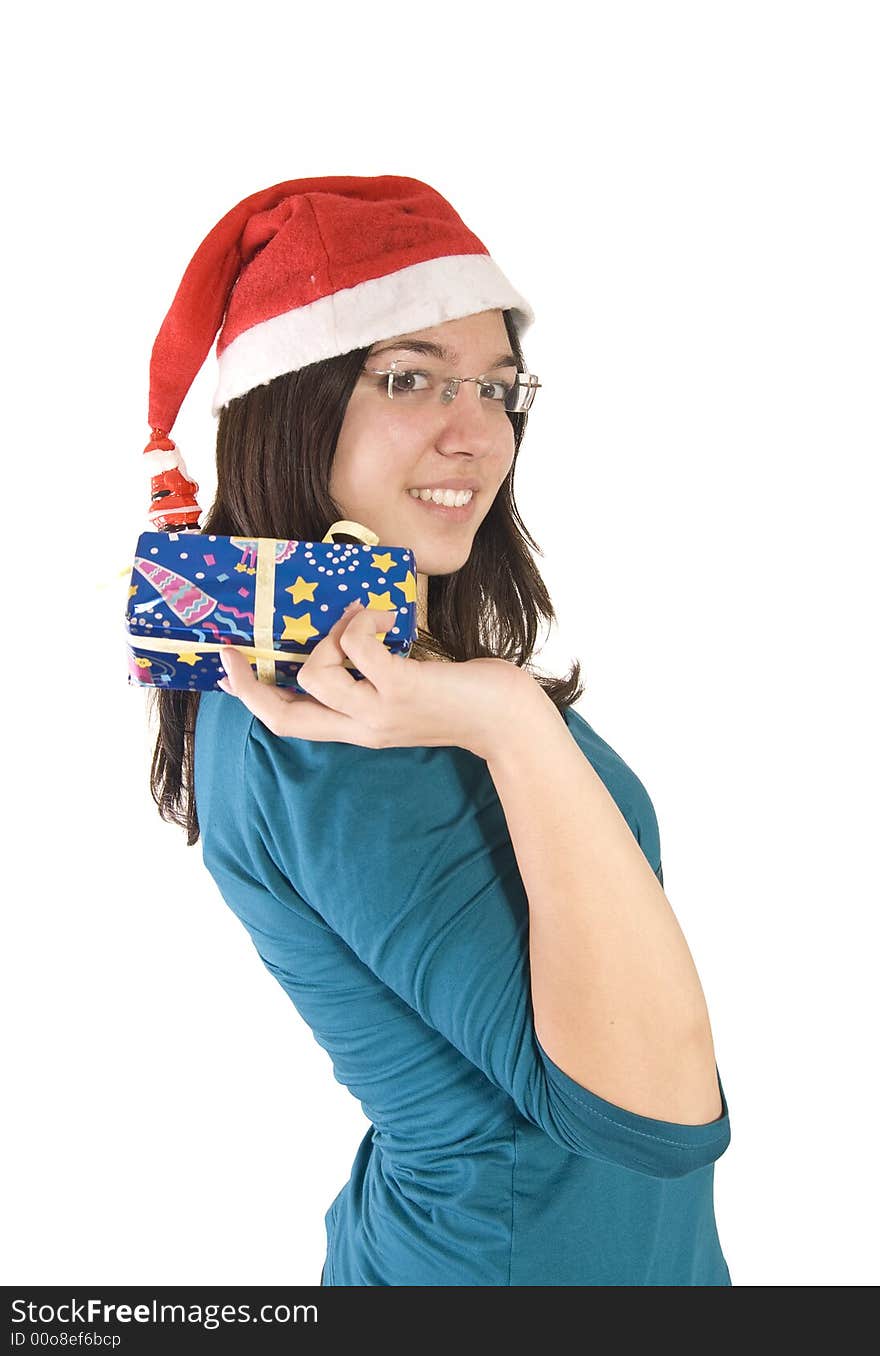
x: 471, y: 418
x: 459, y: 387
x: 451, y: 390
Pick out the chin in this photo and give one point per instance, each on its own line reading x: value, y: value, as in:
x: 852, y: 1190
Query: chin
x: 432, y: 568
x: 433, y: 555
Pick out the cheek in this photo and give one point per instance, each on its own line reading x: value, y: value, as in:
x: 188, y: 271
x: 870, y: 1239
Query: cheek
x: 396, y: 434
x: 365, y: 470
x: 374, y: 454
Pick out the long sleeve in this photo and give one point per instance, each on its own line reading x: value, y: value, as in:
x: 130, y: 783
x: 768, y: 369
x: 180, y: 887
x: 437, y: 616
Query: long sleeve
x: 405, y: 854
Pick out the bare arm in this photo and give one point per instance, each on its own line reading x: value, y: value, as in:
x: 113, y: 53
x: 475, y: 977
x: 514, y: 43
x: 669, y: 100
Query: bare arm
x: 616, y: 997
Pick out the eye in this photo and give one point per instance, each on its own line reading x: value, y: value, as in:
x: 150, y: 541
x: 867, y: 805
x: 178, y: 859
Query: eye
x: 404, y: 382
x: 497, y: 389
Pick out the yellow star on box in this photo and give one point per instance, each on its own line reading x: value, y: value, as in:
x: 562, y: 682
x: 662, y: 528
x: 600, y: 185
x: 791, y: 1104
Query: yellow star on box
x: 191, y: 657
x: 299, y: 629
x: 380, y: 602
x: 408, y: 587
x: 133, y: 590
x: 302, y: 590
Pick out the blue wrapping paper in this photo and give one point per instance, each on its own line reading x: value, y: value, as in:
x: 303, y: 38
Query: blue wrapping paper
x: 272, y: 599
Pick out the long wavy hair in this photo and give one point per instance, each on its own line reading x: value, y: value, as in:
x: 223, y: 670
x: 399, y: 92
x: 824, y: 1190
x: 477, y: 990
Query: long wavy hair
x: 275, y: 450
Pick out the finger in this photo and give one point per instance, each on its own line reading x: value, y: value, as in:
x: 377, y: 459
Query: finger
x: 328, y: 654
x: 362, y: 642
x: 241, y: 679
x: 271, y: 703
x: 296, y: 716
x: 328, y: 650
x: 239, y: 669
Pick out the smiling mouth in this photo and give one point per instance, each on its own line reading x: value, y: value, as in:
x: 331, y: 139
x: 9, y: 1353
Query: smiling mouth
x: 441, y: 511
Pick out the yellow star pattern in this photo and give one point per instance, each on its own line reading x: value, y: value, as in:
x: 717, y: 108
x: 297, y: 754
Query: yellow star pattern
x: 386, y: 563
x: 191, y: 657
x: 299, y: 629
x: 380, y: 602
x: 408, y: 587
x: 302, y: 589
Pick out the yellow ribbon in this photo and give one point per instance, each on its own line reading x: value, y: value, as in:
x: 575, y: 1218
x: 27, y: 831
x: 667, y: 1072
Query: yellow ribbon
x: 263, y: 606
x: 262, y: 650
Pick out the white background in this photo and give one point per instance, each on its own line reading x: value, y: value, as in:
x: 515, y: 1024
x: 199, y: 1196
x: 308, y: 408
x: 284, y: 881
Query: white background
x: 687, y: 194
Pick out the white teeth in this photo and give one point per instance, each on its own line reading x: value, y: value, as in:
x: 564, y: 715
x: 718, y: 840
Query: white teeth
x: 449, y: 498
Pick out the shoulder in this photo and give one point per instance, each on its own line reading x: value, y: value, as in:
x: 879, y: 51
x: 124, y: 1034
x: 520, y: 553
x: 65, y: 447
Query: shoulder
x: 349, y: 792
x: 340, y: 794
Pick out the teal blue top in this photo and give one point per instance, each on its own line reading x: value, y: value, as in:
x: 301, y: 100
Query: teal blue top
x: 381, y: 889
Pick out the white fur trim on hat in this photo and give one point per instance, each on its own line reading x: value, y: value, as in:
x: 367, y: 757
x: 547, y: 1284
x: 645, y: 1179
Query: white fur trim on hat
x: 411, y: 299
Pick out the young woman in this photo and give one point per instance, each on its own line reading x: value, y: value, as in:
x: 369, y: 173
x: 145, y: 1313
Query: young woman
x: 455, y: 879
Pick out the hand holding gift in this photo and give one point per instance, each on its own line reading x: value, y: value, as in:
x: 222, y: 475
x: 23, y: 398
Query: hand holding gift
x: 395, y: 704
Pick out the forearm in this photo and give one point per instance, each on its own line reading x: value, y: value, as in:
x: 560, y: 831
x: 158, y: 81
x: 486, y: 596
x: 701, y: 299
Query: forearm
x: 616, y: 997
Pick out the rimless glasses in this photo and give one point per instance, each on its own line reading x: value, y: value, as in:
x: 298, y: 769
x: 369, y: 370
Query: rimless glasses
x: 509, y: 390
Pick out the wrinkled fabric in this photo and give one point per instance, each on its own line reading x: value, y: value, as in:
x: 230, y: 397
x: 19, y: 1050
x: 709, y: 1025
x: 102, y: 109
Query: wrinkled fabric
x: 381, y: 889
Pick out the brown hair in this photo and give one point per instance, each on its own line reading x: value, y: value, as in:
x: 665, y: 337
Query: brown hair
x: 275, y: 449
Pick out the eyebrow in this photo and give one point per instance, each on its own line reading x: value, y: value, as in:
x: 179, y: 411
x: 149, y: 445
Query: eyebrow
x: 432, y: 350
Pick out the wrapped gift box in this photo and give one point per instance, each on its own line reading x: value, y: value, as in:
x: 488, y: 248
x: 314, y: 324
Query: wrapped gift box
x: 272, y: 600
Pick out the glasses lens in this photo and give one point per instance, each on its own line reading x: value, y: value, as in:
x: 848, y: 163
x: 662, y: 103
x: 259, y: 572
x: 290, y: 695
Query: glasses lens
x: 414, y: 387
x: 522, y: 393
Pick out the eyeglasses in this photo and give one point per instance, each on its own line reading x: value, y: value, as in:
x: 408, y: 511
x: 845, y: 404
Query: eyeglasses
x: 514, y: 394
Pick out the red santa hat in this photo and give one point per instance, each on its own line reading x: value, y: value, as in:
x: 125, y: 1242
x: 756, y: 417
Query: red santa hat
x: 306, y: 270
